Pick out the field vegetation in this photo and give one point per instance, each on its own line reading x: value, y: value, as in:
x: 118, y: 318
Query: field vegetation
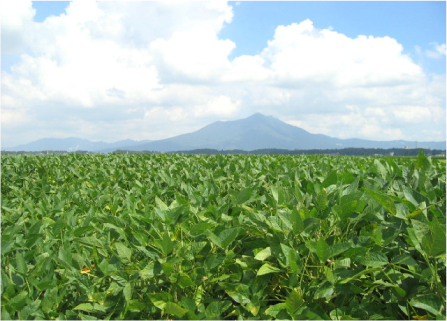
x: 222, y: 237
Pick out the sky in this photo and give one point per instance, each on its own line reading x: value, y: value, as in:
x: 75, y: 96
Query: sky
x: 108, y: 71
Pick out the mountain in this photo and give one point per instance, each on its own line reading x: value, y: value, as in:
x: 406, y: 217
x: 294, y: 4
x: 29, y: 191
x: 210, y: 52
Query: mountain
x: 255, y: 132
x: 259, y: 132
x: 72, y: 144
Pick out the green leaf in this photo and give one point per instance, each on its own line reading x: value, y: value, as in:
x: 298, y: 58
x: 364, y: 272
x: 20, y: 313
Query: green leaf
x: 245, y: 196
x: 293, y: 302
x: 238, y: 292
x: 136, y: 306
x: 215, y: 309
x: 87, y: 307
x: 199, y: 228
x: 127, y: 291
x: 292, y: 258
x: 20, y: 263
x: 160, y: 204
x: 380, y: 169
x: 342, y: 263
x: 213, y: 261
x: 383, y: 199
x: 339, y: 248
x: 420, y: 230
x: 266, y: 269
x: 331, y: 179
x: 324, y: 291
x: 152, y: 269
x: 323, y: 251
x: 124, y: 253
x: 429, y: 302
x: 5, y: 315
x: 165, y: 244
x: 274, y: 310
x: 185, y: 281
x: 422, y: 162
x: 408, y: 193
x: 434, y: 242
x: 226, y: 237
x: 274, y: 191
x: 346, y: 209
x: 160, y: 299
x: 322, y: 200
x: 373, y: 259
x: 19, y: 301
x: 89, y: 241
x: 352, y: 188
x: 264, y: 254
x: 404, y: 259
x: 297, y: 222
x: 66, y: 257
x: 7, y: 246
x: 399, y: 292
x: 174, y: 309
x: 3, y: 281
x: 188, y: 304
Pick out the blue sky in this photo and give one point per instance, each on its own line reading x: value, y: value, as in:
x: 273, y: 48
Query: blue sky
x: 411, y: 23
x: 45, y: 9
x: 150, y: 70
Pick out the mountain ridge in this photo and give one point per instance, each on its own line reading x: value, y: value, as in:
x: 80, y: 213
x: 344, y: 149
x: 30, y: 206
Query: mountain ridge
x: 70, y: 144
x: 252, y: 133
x: 259, y: 132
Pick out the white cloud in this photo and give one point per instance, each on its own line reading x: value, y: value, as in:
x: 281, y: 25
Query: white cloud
x: 441, y: 49
x: 412, y: 114
x: 143, y: 22
x: 14, y: 117
x: 437, y: 52
x: 300, y: 53
x: 150, y: 70
x: 194, y: 54
x: 247, y: 68
x: 218, y: 106
x: 16, y: 25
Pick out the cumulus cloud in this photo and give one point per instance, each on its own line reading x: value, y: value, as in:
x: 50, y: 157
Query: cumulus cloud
x: 301, y: 53
x: 218, y: 106
x: 151, y: 70
x: 192, y: 55
x: 16, y: 25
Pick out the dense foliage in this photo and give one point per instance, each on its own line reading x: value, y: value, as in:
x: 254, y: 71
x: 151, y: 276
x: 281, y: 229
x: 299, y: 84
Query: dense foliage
x: 222, y: 237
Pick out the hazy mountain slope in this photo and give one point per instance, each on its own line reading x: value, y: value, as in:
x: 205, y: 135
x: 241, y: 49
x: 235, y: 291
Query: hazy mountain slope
x: 259, y: 131
x: 71, y: 144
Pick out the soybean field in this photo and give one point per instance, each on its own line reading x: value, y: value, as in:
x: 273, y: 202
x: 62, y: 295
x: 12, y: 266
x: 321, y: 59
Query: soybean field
x: 160, y: 236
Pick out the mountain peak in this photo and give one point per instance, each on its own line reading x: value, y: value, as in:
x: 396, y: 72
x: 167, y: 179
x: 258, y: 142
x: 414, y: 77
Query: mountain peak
x: 259, y: 116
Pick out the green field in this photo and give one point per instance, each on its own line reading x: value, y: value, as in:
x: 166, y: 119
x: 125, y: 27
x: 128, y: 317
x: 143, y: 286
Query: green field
x: 222, y: 237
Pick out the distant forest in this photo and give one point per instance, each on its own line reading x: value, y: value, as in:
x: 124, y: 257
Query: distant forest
x: 344, y: 152
x: 270, y: 151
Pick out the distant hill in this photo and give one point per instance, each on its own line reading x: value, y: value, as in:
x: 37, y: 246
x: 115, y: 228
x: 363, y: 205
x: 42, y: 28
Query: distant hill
x: 72, y: 144
x: 252, y: 133
x: 261, y: 132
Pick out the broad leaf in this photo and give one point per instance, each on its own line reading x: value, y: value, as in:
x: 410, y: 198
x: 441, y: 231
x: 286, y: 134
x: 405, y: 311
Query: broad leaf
x: 383, y: 199
x: 267, y: 268
x: 124, y: 253
x: 429, y: 302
